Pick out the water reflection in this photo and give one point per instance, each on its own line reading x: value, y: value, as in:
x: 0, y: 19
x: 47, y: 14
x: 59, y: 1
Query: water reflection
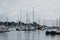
x: 3, y: 36
x: 28, y: 35
x: 33, y: 33
x: 18, y: 35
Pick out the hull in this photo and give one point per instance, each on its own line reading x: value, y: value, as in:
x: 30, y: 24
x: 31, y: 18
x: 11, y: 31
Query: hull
x: 50, y: 32
x: 4, y: 31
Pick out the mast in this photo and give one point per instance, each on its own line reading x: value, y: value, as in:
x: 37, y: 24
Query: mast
x: 58, y: 21
x: 7, y: 22
x: 34, y: 19
x: 27, y: 18
x: 20, y: 16
x: 55, y: 22
x: 18, y: 19
x: 43, y: 21
x: 33, y: 15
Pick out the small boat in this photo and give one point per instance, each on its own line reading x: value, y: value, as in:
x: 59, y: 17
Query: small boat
x: 58, y: 31
x: 3, y: 29
x: 18, y: 28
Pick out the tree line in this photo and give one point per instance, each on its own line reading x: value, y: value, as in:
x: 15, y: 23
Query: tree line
x: 16, y: 23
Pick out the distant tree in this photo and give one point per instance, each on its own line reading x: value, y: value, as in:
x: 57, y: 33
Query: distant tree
x: 6, y: 23
x: 14, y: 24
x: 1, y: 23
x: 34, y: 23
x: 19, y: 23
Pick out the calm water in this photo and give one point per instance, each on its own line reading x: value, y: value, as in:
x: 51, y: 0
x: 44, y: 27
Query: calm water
x: 28, y: 35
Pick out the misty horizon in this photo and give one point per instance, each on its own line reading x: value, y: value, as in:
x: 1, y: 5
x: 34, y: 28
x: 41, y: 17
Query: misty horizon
x: 43, y: 10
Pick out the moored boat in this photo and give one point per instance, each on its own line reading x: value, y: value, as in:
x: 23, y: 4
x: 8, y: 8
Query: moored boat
x: 51, y: 32
x: 3, y: 29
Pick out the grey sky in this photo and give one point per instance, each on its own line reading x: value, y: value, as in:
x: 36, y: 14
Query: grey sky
x: 47, y: 9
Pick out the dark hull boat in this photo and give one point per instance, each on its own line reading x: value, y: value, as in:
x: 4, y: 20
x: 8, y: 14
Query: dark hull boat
x: 18, y: 29
x: 52, y: 32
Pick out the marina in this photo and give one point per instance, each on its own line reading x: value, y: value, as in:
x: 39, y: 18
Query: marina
x: 29, y: 20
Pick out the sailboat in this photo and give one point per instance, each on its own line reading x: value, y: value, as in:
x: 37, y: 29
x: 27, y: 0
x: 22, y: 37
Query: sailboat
x: 4, y: 28
x: 34, y: 27
x: 19, y: 28
x: 28, y: 26
x: 55, y: 30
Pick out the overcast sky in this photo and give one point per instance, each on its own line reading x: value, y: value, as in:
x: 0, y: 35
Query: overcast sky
x: 43, y: 9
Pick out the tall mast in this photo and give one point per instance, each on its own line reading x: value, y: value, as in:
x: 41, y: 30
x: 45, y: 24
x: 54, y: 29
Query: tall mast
x: 18, y: 19
x: 34, y: 19
x: 33, y: 14
x: 43, y: 21
x: 20, y: 14
x: 58, y: 21
x: 7, y: 21
x: 27, y: 18
x: 55, y: 22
